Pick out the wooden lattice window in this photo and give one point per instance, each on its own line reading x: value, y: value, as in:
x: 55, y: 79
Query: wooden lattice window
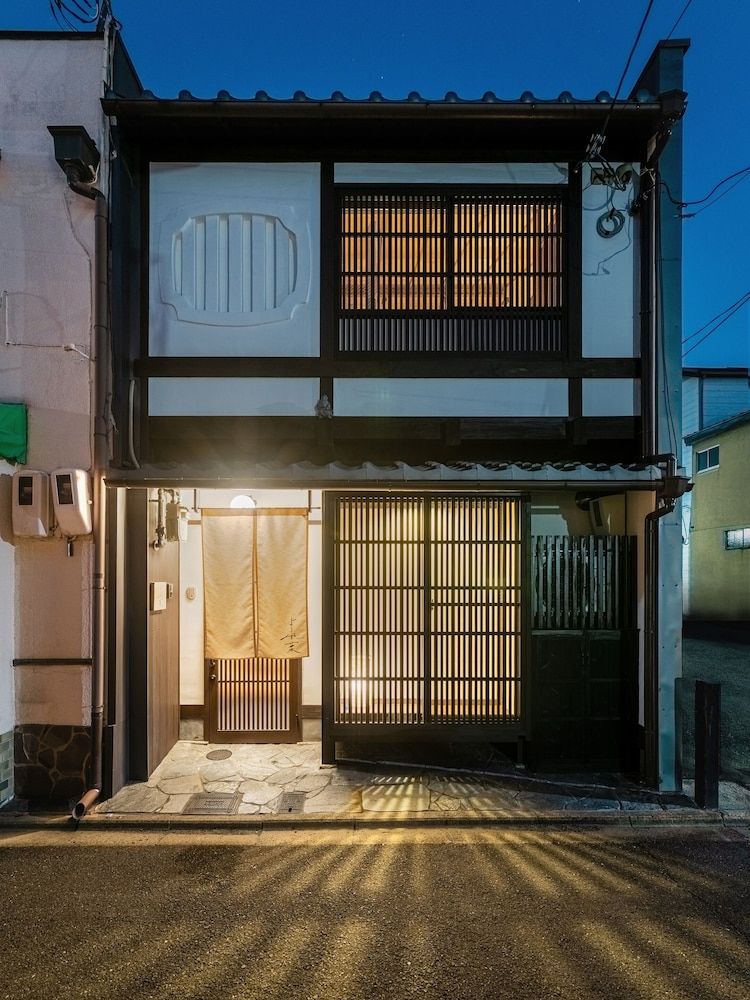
x: 444, y: 270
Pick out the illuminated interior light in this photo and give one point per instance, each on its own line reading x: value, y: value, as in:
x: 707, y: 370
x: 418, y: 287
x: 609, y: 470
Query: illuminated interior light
x: 243, y: 501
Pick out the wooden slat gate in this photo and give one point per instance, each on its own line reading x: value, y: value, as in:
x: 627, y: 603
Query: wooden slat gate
x: 253, y: 700
x: 585, y: 652
x: 426, y: 618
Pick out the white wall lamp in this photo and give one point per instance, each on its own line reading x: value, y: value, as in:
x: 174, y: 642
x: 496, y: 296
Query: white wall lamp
x: 243, y: 501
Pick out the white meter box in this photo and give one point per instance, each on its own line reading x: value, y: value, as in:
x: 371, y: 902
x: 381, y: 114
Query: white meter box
x: 71, y: 496
x: 30, y: 504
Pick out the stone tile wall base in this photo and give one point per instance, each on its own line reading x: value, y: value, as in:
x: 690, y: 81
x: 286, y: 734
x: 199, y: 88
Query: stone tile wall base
x: 51, y: 762
x: 6, y: 767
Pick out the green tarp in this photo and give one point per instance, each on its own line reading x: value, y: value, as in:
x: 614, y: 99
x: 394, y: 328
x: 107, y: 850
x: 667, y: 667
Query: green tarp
x: 13, y: 434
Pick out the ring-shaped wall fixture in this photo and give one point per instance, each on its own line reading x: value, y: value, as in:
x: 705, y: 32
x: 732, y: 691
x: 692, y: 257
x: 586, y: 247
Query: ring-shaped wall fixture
x: 610, y: 224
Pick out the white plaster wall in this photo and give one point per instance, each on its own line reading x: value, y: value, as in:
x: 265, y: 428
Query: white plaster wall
x: 191, y: 574
x: 610, y: 276
x: 287, y: 192
x: 191, y: 619
x: 445, y: 397
x: 450, y: 173
x: 558, y: 514
x: 46, y: 258
x: 638, y: 504
x: 232, y: 397
x: 7, y: 617
x: 611, y: 397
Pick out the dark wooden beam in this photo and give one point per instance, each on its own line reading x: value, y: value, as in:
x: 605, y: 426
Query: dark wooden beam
x: 399, y: 366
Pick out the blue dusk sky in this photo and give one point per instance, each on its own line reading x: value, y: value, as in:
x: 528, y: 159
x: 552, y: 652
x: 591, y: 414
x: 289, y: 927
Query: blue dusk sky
x: 433, y: 46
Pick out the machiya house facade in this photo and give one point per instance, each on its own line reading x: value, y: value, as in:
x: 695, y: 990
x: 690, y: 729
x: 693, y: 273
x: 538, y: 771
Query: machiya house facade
x: 395, y: 411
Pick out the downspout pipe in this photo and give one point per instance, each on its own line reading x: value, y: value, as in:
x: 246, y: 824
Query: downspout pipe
x: 99, y: 394
x: 672, y: 488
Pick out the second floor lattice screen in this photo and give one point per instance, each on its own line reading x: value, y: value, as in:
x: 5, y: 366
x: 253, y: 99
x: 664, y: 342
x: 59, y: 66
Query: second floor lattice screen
x: 451, y: 271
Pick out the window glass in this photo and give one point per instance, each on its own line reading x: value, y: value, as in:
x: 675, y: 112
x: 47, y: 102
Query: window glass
x: 708, y: 459
x: 737, y: 538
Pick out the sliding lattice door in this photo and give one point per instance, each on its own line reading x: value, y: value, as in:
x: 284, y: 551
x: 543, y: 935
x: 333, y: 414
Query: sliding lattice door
x: 427, y: 612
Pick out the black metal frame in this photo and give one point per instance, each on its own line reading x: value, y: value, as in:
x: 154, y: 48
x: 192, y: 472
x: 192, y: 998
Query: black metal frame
x: 427, y: 731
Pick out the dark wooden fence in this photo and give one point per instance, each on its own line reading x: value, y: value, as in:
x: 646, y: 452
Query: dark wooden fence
x: 583, y: 582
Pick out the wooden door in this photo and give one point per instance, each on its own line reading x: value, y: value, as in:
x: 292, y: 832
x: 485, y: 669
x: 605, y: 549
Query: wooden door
x: 253, y: 700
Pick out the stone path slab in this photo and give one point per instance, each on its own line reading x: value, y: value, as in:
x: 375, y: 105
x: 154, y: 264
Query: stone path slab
x: 260, y: 774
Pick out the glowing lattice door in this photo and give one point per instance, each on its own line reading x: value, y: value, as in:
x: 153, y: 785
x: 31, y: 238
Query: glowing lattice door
x: 427, y: 612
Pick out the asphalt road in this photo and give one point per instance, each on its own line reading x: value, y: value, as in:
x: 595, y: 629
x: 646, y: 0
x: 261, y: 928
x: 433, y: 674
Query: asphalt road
x: 428, y: 914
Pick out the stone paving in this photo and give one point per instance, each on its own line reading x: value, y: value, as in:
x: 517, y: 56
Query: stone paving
x: 262, y: 773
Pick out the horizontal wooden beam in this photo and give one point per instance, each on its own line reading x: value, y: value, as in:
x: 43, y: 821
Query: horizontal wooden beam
x: 445, y: 430
x: 402, y: 366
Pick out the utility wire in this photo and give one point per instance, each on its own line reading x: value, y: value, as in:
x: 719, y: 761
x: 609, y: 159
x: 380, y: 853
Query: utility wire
x: 714, y: 318
x: 596, y: 142
x: 677, y: 22
x: 737, y: 306
x: 739, y: 174
x: 66, y: 12
x: 692, y: 215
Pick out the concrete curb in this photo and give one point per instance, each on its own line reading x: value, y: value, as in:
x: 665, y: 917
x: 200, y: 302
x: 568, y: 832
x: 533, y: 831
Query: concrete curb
x: 151, y: 822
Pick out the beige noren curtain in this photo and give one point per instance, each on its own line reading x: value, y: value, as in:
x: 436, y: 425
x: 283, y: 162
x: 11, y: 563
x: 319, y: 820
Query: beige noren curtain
x: 255, y: 583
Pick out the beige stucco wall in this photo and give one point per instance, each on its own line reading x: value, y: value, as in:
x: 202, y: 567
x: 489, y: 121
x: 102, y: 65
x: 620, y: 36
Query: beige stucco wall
x: 53, y: 695
x: 720, y: 577
x: 46, y: 260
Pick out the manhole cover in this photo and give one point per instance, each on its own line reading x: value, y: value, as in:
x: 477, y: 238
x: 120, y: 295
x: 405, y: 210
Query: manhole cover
x: 290, y: 802
x: 205, y: 804
x: 218, y: 754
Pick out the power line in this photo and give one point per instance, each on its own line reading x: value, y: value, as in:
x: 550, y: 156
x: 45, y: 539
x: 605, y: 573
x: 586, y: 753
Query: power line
x: 596, y: 142
x: 714, y: 318
x: 677, y: 22
x: 737, y: 306
x: 692, y: 215
x: 738, y: 176
x: 67, y: 12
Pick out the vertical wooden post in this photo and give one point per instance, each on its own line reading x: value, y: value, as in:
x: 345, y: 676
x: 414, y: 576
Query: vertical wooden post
x: 329, y: 514
x: 707, y: 743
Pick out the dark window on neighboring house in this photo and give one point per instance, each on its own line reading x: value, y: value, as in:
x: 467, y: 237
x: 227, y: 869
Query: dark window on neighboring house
x: 451, y: 271
x: 708, y: 459
x: 737, y: 538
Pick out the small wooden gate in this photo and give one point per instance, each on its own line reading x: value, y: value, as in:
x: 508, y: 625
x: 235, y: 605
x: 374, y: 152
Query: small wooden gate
x: 253, y: 701
x: 426, y: 617
x: 585, y: 652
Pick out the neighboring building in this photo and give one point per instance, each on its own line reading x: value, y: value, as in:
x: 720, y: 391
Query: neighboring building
x: 47, y: 247
x: 720, y: 522
x: 389, y: 425
x: 709, y: 395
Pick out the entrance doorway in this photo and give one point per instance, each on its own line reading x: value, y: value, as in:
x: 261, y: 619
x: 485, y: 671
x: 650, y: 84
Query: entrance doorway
x: 427, y: 617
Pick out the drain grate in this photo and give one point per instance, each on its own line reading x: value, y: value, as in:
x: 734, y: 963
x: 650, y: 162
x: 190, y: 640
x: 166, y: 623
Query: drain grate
x: 218, y: 754
x: 291, y: 802
x: 206, y: 804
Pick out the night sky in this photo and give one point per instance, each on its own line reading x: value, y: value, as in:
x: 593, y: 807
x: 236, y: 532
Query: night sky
x: 471, y: 47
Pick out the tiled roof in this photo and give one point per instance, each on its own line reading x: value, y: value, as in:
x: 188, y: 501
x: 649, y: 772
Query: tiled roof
x: 509, y: 473
x: 450, y: 98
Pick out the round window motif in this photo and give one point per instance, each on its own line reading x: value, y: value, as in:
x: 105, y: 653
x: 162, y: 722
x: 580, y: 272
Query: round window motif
x: 243, y: 501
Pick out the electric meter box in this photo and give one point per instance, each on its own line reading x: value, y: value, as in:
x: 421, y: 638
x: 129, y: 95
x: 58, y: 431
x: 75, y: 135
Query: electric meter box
x: 30, y: 504
x: 71, y: 497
